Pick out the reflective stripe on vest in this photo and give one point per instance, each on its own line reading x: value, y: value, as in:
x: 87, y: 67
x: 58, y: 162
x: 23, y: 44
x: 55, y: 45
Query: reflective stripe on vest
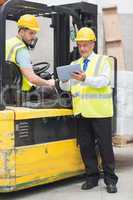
x: 96, y: 96
x: 92, y: 102
x: 12, y: 46
x: 93, y: 96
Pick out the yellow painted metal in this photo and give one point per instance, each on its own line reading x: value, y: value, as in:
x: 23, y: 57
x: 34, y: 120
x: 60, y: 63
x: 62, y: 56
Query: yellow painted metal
x: 6, y: 129
x: 27, y: 166
x: 7, y: 153
x: 47, y: 162
x: 29, y: 113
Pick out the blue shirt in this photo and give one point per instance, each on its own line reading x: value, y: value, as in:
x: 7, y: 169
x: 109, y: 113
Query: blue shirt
x: 23, y: 58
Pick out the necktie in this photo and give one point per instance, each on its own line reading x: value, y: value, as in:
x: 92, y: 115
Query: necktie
x: 85, y: 64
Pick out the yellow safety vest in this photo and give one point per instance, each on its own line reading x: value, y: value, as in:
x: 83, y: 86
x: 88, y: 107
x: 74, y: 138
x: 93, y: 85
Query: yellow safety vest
x: 92, y: 102
x: 12, y: 46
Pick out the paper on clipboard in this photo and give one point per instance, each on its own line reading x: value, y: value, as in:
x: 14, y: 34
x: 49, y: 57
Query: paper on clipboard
x: 65, y: 72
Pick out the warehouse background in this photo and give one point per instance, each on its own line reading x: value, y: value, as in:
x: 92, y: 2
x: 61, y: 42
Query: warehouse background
x: 44, y: 49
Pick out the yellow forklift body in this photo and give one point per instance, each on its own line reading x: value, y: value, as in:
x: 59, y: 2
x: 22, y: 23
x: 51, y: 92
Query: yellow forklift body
x: 27, y: 166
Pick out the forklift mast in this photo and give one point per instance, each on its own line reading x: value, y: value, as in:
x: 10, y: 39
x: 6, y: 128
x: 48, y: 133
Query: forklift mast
x: 83, y: 14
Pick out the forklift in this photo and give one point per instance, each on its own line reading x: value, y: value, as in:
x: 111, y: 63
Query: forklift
x: 38, y: 142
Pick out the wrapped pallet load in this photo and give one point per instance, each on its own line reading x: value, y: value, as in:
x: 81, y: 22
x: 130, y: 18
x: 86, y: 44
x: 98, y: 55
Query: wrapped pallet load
x: 124, y: 107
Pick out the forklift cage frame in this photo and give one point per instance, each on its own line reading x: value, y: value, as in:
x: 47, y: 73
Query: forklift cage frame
x: 83, y: 14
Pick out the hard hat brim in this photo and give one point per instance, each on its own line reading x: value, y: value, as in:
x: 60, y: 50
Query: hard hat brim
x: 84, y: 40
x: 33, y: 29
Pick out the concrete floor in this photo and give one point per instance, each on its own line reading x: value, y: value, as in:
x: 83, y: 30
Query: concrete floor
x: 70, y: 189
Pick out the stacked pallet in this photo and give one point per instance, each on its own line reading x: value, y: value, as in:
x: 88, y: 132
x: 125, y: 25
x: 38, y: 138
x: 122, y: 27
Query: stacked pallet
x: 113, y: 36
x: 121, y: 141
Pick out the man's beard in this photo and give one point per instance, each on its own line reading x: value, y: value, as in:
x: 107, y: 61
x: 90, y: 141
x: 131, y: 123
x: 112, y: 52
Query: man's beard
x: 32, y: 45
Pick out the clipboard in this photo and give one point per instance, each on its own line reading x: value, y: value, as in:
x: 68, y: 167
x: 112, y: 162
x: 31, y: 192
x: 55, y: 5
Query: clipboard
x: 65, y: 72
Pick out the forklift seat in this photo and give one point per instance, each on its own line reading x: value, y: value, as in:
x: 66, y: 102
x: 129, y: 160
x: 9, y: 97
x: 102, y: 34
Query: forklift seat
x: 12, y: 82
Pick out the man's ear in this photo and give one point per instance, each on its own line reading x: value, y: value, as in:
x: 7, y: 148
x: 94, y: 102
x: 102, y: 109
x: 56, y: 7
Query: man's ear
x: 93, y: 45
x: 21, y: 31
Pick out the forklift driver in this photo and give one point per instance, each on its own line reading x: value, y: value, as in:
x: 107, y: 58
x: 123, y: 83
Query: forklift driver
x: 17, y: 51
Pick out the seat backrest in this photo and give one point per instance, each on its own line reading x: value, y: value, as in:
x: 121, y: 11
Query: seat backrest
x: 12, y: 83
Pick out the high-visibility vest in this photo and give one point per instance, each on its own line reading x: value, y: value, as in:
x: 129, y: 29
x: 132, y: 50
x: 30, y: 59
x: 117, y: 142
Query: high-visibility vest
x: 92, y: 102
x: 12, y: 46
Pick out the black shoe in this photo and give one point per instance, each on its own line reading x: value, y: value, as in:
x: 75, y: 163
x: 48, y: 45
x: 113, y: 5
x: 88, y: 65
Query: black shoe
x: 111, y: 188
x: 89, y: 185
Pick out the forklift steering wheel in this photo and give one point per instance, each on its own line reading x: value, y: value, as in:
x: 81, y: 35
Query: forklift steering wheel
x: 41, y: 67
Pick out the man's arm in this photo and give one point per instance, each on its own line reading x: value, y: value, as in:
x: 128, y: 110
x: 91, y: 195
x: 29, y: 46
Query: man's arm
x: 34, y: 79
x: 102, y: 80
x: 24, y: 63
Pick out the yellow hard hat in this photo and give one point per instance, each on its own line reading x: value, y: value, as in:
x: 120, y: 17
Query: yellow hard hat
x: 85, y: 34
x: 29, y: 21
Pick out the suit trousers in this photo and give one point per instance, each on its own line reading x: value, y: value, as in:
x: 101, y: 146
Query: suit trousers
x: 90, y: 130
